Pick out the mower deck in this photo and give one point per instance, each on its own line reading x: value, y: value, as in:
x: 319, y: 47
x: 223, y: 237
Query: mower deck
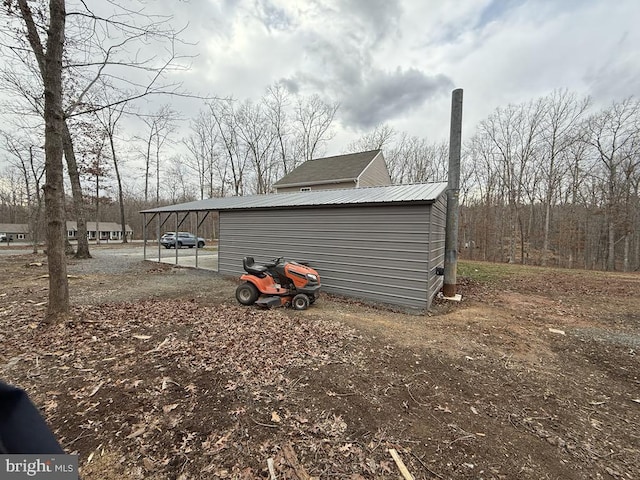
x: 266, y: 302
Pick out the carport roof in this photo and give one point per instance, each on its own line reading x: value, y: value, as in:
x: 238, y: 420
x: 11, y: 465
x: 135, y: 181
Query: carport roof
x: 414, y: 193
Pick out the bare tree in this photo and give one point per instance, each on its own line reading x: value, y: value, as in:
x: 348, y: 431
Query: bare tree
x: 382, y: 137
x: 276, y: 102
x: 161, y: 125
x: 95, y: 167
x: 235, y: 160
x: 257, y: 138
x: 109, y: 118
x: 514, y: 134
x: 50, y: 65
x: 177, y: 182
x: 203, y: 145
x: 561, y: 121
x: 313, y: 119
x: 613, y: 134
x: 28, y: 160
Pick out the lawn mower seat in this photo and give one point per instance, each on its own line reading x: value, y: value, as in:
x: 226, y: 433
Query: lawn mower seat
x: 252, y: 268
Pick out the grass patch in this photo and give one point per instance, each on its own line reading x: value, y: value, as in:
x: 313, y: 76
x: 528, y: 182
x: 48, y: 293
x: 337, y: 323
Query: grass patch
x: 485, y: 272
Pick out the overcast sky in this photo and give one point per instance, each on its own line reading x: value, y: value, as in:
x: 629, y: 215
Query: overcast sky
x: 396, y: 61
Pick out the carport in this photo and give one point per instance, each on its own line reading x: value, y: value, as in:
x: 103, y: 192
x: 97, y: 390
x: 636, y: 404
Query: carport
x: 381, y: 244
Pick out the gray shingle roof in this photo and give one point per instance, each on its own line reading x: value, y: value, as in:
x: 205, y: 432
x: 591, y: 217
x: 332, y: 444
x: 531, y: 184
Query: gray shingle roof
x: 420, y: 192
x: 14, y: 228
x: 340, y: 168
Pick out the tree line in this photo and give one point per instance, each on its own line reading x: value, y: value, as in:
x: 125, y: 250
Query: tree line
x: 554, y: 181
x: 551, y: 181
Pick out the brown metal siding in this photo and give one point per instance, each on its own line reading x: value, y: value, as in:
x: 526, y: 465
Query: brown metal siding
x: 379, y: 253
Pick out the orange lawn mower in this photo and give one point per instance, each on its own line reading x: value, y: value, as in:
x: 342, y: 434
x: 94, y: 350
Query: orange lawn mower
x: 281, y: 283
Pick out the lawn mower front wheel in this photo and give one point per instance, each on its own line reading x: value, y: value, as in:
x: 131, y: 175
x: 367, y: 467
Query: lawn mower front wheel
x: 300, y: 302
x: 247, y: 293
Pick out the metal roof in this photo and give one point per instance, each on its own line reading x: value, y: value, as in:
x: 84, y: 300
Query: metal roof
x: 340, y: 168
x: 414, y: 193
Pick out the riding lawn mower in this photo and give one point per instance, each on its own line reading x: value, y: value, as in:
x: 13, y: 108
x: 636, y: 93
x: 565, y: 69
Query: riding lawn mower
x: 278, y: 283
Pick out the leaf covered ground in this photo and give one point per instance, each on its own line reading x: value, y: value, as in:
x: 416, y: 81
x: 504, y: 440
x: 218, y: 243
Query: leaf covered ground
x: 161, y: 375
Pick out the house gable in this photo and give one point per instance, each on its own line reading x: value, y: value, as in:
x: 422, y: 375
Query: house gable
x: 376, y: 174
x: 340, y: 171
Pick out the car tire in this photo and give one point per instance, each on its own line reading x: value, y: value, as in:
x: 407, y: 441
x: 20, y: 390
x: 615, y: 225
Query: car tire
x: 200, y: 244
x: 179, y: 244
x: 167, y: 247
x: 300, y: 302
x: 247, y: 293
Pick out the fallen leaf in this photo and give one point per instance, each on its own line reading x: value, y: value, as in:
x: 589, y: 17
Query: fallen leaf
x: 148, y: 464
x: 275, y: 417
x: 142, y: 337
x: 138, y: 432
x: 95, y: 389
x: 168, y: 408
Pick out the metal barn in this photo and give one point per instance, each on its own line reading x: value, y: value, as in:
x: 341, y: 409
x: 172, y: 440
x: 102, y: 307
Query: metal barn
x: 381, y: 244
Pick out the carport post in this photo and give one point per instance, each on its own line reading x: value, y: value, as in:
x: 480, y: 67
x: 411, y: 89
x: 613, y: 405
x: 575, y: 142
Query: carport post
x: 197, y: 228
x: 158, y: 234
x: 453, y: 193
x: 144, y: 236
x: 175, y: 244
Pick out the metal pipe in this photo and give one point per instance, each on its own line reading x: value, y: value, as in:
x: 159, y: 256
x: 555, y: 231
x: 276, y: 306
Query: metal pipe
x: 453, y: 193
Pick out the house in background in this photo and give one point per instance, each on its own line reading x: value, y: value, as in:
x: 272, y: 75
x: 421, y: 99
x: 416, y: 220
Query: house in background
x: 108, y: 231
x: 14, y: 232
x: 353, y: 170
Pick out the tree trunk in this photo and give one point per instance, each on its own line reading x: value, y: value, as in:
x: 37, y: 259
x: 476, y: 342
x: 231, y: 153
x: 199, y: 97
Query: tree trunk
x: 58, y: 306
x: 513, y: 232
x: 627, y: 250
x: 120, y: 195
x: 545, y: 241
x: 611, y: 257
x: 637, y: 253
x: 76, y: 191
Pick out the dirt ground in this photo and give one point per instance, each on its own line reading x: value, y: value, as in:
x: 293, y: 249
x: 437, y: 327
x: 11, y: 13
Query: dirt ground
x: 161, y: 375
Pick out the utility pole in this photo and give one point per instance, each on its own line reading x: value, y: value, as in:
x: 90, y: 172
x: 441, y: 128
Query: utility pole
x: 453, y: 193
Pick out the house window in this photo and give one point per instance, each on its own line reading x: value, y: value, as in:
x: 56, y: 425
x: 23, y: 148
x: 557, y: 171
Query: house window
x: 305, y: 189
x: 71, y: 234
x: 21, y: 236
